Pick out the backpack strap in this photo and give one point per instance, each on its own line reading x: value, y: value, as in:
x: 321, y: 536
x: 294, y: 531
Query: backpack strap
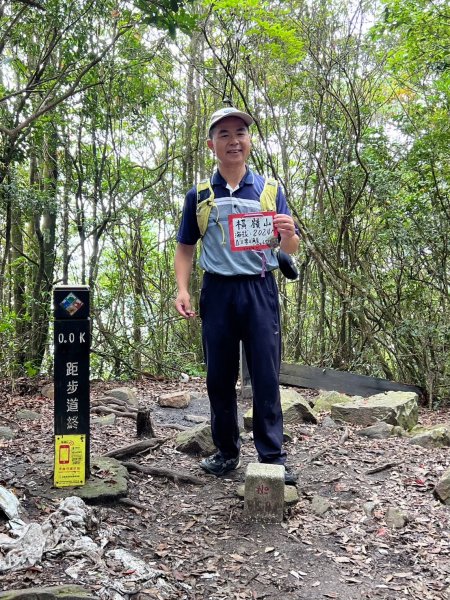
x: 205, y: 202
x: 268, y: 198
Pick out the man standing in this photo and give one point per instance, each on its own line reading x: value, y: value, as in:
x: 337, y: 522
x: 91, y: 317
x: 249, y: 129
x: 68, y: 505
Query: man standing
x: 239, y: 296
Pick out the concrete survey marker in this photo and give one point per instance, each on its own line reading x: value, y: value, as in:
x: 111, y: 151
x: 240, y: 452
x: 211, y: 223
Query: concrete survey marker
x: 264, y: 492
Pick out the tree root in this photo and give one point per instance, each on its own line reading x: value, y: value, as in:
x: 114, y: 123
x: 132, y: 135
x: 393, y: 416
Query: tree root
x: 161, y: 472
x: 108, y: 410
x: 134, y: 448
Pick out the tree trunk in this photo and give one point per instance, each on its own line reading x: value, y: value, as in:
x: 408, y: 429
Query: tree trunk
x: 138, y: 291
x: 8, y: 223
x: 44, y: 229
x: 18, y: 285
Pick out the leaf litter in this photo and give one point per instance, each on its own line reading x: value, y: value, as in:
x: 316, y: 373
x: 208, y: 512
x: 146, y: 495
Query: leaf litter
x: 196, y: 541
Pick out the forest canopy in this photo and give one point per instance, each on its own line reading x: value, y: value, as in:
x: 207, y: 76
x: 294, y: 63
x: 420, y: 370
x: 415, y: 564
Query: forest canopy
x: 103, y: 113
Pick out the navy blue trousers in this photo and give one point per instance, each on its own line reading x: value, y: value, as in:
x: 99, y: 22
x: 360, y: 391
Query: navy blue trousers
x: 233, y: 309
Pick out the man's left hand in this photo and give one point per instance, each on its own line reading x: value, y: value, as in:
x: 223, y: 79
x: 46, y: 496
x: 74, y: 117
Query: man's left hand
x: 285, y: 225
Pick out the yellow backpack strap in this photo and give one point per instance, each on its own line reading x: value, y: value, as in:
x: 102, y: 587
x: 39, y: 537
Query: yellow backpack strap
x: 268, y: 197
x: 205, y: 202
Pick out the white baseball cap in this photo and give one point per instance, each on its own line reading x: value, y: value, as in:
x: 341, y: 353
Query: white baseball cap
x: 229, y: 111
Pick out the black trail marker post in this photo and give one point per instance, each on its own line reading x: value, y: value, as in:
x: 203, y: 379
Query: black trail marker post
x: 71, y: 360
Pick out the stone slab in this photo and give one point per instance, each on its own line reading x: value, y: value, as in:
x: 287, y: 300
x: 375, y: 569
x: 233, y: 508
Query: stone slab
x: 395, y: 408
x: 110, y: 484
x: 264, y: 492
x: 59, y: 592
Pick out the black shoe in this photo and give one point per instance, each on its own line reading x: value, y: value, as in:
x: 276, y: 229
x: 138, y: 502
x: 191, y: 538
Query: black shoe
x: 218, y: 465
x: 290, y: 478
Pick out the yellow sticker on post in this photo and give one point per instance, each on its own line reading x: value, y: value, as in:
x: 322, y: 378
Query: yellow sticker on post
x: 70, y: 460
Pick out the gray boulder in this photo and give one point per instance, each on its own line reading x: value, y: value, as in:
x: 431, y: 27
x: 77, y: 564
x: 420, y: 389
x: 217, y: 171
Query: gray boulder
x: 395, y: 518
x: 328, y: 423
x: 395, y: 408
x: 105, y: 488
x: 48, y: 391
x: 437, y: 436
x: 58, y: 592
x: 442, y: 489
x: 6, y: 433
x: 27, y: 415
x: 369, y: 507
x: 320, y: 505
x: 196, y: 440
x: 380, y: 430
x: 196, y: 418
x: 104, y: 420
x: 126, y: 394
x: 325, y: 401
x: 295, y: 410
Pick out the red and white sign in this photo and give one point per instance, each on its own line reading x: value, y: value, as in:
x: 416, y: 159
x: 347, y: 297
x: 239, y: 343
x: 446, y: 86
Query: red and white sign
x: 251, y: 231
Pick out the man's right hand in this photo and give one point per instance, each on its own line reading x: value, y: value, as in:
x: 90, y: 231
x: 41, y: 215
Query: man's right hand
x: 183, y: 305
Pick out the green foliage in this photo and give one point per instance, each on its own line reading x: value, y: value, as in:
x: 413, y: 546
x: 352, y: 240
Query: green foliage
x: 267, y: 26
x: 169, y: 15
x: 31, y: 369
x: 11, y: 366
x: 420, y: 29
x: 353, y: 121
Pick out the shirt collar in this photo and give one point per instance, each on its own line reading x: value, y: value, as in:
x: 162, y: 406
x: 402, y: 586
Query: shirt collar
x: 248, y: 179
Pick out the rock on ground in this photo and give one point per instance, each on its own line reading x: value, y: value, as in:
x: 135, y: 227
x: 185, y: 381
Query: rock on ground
x: 395, y: 408
x: 380, y: 430
x: 432, y: 437
x: 126, y: 394
x: 442, y: 489
x: 175, y: 399
x: 196, y: 440
x: 59, y: 592
x: 296, y: 409
x: 325, y: 401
